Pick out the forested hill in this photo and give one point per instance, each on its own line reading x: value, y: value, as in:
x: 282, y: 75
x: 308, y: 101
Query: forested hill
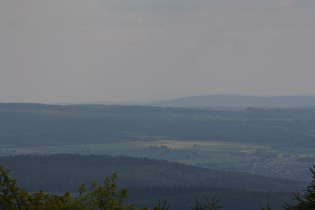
x: 149, y: 180
x: 62, y: 172
x: 39, y: 124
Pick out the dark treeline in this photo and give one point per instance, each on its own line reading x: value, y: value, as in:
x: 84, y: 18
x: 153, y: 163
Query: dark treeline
x: 182, y: 198
x: 149, y: 180
x: 62, y: 172
x: 108, y: 196
x: 30, y: 124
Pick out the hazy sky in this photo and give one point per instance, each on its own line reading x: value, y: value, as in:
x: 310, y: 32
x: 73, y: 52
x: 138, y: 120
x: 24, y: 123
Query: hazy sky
x: 123, y: 50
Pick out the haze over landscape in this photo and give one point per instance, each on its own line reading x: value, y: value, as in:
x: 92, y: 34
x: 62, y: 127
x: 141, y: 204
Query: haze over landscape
x: 192, y: 104
x: 142, y: 50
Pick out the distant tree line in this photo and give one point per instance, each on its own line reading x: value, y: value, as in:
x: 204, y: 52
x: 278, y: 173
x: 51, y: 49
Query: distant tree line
x: 49, y: 124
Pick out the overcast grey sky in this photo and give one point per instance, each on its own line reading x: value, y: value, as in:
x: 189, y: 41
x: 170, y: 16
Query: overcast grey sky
x: 124, y: 50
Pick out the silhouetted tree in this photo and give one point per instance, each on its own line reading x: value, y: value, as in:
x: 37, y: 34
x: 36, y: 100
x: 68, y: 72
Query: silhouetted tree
x: 306, y: 200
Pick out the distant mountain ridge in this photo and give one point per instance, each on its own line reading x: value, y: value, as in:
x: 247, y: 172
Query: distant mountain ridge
x: 239, y: 101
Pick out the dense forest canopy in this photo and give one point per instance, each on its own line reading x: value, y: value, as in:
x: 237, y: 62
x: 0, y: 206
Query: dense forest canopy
x: 149, y: 180
x: 25, y: 124
x: 65, y: 171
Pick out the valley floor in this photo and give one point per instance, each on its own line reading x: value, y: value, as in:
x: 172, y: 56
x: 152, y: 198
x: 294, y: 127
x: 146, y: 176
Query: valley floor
x: 265, y: 159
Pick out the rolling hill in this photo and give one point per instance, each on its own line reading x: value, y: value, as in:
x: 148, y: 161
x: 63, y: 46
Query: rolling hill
x: 149, y: 180
x: 39, y: 124
x: 239, y: 101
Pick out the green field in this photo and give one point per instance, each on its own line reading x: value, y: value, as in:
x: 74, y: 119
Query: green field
x: 250, y: 157
x: 162, y: 149
x: 273, y: 142
x: 190, y: 152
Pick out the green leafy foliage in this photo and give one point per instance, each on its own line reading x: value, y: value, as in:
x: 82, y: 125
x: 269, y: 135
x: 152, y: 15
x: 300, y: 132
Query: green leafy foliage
x: 12, y: 197
x: 103, y: 196
x: 97, y: 197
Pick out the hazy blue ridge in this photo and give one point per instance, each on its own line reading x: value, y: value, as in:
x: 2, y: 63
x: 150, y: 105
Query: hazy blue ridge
x: 37, y: 124
x: 239, y: 101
